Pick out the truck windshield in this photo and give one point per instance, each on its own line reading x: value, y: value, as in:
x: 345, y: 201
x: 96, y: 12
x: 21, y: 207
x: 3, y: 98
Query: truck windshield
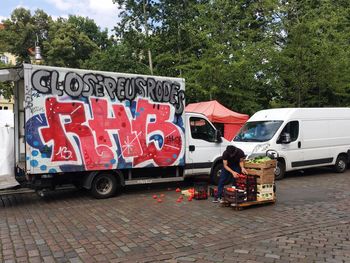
x: 257, y: 131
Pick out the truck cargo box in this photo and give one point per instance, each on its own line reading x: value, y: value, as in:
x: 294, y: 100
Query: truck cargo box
x: 82, y: 120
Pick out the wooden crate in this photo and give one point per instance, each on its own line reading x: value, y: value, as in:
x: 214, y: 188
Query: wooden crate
x: 265, y: 172
x: 261, y: 172
x: 264, y: 188
x: 266, y: 179
x: 261, y: 197
x: 264, y: 165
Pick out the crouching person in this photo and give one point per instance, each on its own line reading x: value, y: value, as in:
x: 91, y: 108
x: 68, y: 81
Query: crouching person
x: 232, y: 158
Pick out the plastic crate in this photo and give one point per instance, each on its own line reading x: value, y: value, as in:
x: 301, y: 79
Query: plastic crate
x: 251, y: 193
x: 248, y: 184
x: 243, y: 182
x: 200, y: 191
x: 213, y: 192
x: 236, y: 196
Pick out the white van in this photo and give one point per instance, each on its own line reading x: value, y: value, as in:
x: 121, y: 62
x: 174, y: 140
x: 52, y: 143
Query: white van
x: 302, y: 137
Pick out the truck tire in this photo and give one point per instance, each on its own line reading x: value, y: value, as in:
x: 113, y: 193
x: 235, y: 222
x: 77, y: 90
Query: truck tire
x: 215, y: 175
x: 104, y: 186
x: 280, y: 170
x: 341, y: 164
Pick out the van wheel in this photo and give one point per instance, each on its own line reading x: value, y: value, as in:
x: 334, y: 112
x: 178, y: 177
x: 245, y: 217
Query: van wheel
x: 215, y: 175
x: 104, y: 186
x: 341, y: 164
x: 280, y: 170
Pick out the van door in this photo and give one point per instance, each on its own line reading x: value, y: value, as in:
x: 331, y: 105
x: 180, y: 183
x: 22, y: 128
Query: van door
x: 202, y: 145
x: 291, y: 150
x: 316, y: 137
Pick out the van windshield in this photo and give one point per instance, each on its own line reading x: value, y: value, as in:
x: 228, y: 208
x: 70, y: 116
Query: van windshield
x: 258, y: 131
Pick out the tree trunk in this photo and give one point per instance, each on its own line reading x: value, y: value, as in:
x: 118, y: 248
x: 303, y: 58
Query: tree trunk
x: 146, y: 31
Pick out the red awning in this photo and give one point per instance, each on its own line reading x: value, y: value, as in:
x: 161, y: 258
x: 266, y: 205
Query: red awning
x: 218, y: 113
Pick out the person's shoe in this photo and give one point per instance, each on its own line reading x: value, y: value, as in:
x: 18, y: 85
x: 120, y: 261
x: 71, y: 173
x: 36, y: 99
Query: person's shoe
x: 217, y: 200
x: 221, y: 201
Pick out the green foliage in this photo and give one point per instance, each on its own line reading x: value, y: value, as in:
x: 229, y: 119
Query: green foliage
x: 6, y: 88
x: 248, y: 55
x: 21, y: 32
x: 66, y: 46
x: 65, y: 42
x: 314, y: 61
x: 91, y: 30
x: 116, y: 58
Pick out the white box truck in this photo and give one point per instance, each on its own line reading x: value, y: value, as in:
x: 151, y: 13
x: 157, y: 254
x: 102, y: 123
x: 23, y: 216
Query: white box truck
x: 302, y: 137
x: 100, y: 130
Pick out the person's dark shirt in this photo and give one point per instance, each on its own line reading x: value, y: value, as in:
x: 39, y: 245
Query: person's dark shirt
x: 233, y: 159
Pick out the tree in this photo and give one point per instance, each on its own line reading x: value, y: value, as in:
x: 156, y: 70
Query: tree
x: 90, y: 29
x: 314, y: 61
x: 231, y: 54
x: 139, y: 16
x: 248, y: 54
x: 21, y: 31
x: 118, y: 58
x: 6, y: 88
x: 66, y: 46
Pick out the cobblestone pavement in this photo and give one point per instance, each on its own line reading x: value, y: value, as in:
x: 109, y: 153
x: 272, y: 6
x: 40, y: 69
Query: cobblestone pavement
x: 310, y: 222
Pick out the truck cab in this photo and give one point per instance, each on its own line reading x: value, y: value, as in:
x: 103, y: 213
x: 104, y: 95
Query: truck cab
x: 204, y: 147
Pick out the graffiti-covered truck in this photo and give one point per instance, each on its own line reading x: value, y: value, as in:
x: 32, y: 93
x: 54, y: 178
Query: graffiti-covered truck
x: 103, y: 130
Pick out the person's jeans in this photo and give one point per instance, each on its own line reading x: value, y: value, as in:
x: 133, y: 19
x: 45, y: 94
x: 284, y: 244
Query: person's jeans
x: 223, y: 178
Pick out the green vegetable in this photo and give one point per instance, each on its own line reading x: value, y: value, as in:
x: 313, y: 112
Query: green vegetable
x: 259, y: 159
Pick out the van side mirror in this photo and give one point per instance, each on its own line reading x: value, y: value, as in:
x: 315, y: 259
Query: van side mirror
x: 285, y: 138
x: 218, y: 136
x: 272, y: 154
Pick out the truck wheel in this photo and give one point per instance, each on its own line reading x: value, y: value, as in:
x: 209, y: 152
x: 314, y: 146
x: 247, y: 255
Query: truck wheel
x: 215, y: 175
x: 341, y: 164
x: 104, y: 186
x: 280, y: 170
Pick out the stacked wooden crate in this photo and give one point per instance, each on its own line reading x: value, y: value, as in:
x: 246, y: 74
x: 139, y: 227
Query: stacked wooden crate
x: 265, y: 173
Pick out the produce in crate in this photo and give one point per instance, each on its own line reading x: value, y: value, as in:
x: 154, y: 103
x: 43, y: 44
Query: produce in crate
x: 259, y: 159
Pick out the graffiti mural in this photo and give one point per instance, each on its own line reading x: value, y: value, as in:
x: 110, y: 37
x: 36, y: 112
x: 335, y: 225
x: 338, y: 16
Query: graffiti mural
x: 83, y: 121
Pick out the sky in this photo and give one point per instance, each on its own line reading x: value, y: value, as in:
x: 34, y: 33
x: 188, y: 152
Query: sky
x: 104, y: 12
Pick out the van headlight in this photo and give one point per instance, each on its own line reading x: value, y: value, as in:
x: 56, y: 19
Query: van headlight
x: 261, y: 148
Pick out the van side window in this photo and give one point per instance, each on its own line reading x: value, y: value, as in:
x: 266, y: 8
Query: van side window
x: 292, y: 128
x: 202, y: 130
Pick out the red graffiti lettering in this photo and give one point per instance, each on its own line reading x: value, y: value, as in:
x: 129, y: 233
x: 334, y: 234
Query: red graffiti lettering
x: 149, y: 137
x: 160, y: 139
x: 101, y: 124
x: 94, y: 157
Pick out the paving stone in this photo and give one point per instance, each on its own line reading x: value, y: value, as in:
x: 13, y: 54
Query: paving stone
x: 272, y: 256
x: 241, y: 251
x: 33, y: 253
x: 309, y: 223
x: 187, y: 259
x: 75, y: 260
